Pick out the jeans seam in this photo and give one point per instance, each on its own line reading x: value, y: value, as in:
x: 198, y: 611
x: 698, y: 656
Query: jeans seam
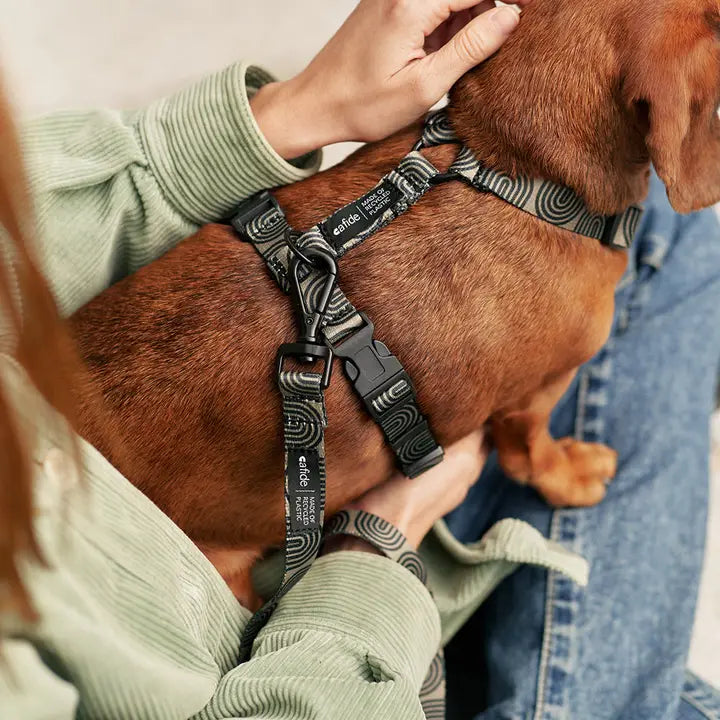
x: 547, y: 640
x: 697, y: 693
x: 709, y: 713
x: 557, y: 659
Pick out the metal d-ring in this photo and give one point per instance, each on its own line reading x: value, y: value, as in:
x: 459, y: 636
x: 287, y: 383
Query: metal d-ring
x: 295, y: 250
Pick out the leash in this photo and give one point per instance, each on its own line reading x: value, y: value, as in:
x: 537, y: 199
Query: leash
x: 304, y: 264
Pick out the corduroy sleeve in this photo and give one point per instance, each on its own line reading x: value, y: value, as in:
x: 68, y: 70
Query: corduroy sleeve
x: 354, y: 639
x: 113, y: 191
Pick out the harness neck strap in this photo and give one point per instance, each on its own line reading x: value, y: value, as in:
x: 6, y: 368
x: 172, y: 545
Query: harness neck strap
x: 546, y: 200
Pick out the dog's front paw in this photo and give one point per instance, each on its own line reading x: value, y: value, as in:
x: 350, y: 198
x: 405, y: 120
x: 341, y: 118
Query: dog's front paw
x: 573, y: 473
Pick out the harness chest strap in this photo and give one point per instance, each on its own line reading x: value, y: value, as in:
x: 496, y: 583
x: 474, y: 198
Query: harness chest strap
x: 377, y: 376
x: 304, y: 422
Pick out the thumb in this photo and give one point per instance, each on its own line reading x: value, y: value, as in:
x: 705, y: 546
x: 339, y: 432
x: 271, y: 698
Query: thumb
x: 477, y: 41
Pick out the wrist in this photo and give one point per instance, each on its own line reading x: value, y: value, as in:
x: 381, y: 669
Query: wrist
x: 292, y: 118
x: 347, y: 542
x: 401, y: 513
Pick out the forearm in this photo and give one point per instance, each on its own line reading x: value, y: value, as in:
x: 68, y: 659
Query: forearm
x: 353, y: 639
x: 113, y: 191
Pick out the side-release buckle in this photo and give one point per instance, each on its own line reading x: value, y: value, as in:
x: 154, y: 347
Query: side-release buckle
x: 368, y: 362
x: 390, y: 398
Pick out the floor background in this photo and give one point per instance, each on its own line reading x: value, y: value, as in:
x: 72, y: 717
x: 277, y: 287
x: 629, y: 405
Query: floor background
x: 88, y: 53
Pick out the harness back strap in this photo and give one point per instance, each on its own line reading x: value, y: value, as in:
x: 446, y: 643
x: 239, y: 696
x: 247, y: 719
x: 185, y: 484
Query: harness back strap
x: 304, y: 422
x: 393, y: 544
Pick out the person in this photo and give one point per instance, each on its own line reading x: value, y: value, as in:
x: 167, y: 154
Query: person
x: 108, y: 610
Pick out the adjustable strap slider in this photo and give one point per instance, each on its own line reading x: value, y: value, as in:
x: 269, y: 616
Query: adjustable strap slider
x: 613, y: 223
x: 252, y: 208
x: 305, y: 352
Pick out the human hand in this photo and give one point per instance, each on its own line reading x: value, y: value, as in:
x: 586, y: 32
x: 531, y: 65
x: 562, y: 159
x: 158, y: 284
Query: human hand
x: 389, y: 63
x: 413, y: 506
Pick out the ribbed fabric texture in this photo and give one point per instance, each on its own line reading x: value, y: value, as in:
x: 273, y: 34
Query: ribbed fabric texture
x: 115, y: 190
x: 135, y: 622
x: 204, y: 169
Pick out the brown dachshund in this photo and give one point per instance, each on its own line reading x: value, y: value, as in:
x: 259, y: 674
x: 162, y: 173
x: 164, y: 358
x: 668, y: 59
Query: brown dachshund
x: 490, y: 310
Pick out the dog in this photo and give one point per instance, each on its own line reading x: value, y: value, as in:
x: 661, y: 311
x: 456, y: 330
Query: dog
x: 490, y: 310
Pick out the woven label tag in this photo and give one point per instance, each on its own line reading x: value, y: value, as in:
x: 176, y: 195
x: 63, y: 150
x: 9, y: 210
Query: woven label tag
x: 358, y: 216
x: 304, y: 489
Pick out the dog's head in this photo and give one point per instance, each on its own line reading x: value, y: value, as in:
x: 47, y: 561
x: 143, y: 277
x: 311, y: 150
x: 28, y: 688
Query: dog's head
x: 587, y: 93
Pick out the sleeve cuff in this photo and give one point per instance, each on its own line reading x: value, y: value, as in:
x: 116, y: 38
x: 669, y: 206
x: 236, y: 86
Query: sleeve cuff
x: 387, y: 611
x: 206, y: 149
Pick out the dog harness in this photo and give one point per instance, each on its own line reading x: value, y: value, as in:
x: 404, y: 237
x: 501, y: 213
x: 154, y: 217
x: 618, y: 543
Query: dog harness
x: 305, y: 265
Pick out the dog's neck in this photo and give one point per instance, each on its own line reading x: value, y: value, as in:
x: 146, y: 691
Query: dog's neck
x: 550, y: 105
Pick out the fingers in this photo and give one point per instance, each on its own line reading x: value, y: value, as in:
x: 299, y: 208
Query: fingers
x: 468, y: 455
x: 413, y: 506
x: 456, y: 22
x: 457, y: 5
x: 477, y: 41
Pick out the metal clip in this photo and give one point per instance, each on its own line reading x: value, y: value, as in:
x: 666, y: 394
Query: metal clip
x: 311, y: 318
x: 308, y: 348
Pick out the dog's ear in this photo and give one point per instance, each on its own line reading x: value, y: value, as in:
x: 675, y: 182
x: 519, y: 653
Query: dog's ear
x: 673, y: 81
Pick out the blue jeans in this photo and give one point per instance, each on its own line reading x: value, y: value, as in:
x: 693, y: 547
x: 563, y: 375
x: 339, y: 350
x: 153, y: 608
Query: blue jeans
x: 542, y: 648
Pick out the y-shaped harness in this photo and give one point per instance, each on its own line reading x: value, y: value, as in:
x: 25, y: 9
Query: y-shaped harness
x: 304, y: 264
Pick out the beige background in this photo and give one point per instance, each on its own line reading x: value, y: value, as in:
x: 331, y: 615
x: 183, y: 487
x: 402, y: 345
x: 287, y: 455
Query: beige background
x: 125, y: 53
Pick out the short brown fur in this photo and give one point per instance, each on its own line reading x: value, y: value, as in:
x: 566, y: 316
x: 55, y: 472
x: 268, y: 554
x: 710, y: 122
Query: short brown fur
x: 491, y: 310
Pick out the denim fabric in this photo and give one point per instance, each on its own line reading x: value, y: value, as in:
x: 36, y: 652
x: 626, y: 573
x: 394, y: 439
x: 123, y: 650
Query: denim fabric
x: 542, y: 648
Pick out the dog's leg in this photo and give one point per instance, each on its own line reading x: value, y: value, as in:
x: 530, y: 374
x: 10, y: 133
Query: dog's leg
x: 565, y: 472
x: 235, y: 566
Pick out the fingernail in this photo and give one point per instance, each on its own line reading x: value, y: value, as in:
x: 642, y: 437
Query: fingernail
x: 506, y: 19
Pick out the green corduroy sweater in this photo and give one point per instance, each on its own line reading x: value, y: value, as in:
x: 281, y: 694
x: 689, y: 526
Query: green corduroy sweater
x: 135, y: 623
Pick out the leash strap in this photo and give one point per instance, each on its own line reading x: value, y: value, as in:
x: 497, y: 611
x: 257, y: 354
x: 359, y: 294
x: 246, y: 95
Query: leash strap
x: 304, y: 422
x: 392, y: 543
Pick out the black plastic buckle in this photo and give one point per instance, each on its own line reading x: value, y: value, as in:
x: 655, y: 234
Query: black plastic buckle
x: 612, y: 225
x: 251, y: 208
x: 307, y: 352
x: 368, y: 362
x: 373, y: 369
